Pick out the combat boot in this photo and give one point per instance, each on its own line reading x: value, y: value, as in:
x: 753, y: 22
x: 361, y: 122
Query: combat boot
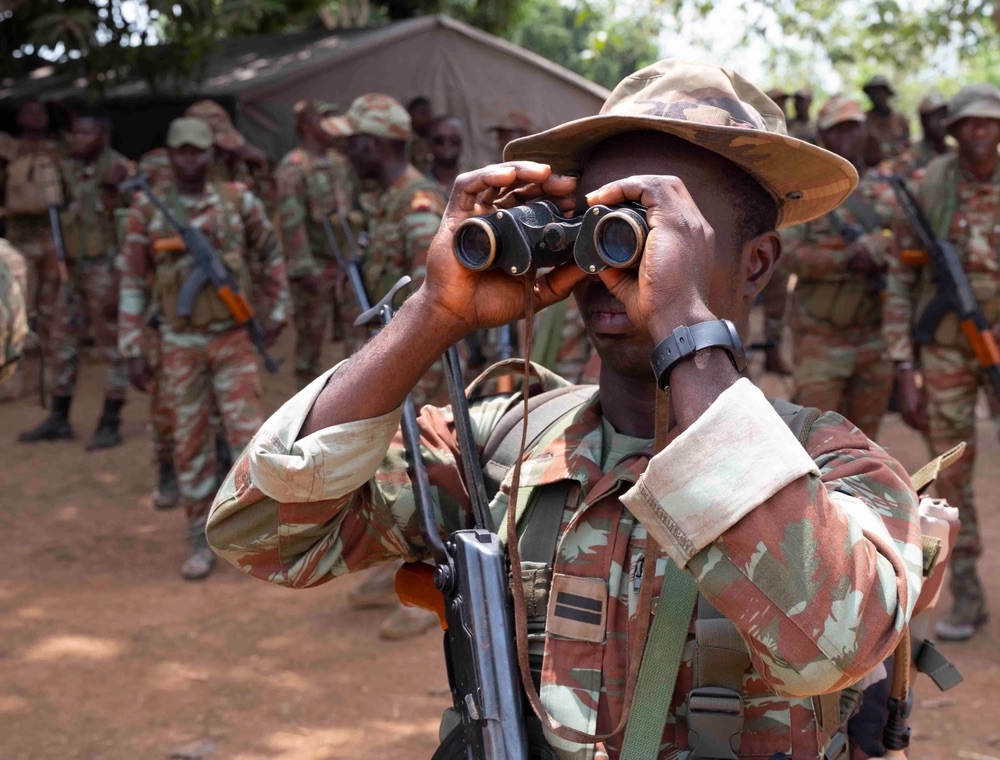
x: 166, y: 495
x: 108, y: 432
x: 968, y: 610
x: 377, y: 590
x: 407, y: 623
x: 55, y: 427
x: 200, y: 562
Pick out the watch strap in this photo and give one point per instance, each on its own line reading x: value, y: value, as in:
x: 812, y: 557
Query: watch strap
x: 685, y: 341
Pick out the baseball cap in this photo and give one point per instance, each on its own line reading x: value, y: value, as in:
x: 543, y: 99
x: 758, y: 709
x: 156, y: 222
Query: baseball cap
x: 879, y: 80
x: 189, y: 131
x: 982, y: 100
x: 224, y: 134
x: 308, y: 104
x: 717, y: 110
x: 931, y: 102
x: 839, y: 109
x: 372, y: 114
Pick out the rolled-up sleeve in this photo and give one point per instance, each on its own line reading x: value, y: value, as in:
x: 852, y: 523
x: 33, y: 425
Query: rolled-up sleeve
x: 813, y: 553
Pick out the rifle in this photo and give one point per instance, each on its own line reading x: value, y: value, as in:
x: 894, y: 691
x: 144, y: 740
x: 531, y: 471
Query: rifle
x: 850, y: 233
x: 209, y: 270
x: 470, y: 572
x: 953, y: 291
x: 350, y: 265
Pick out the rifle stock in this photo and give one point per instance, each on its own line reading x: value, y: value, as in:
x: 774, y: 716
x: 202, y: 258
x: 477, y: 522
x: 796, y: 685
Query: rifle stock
x: 954, y: 292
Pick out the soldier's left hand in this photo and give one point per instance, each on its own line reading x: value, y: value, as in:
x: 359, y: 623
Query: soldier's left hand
x: 671, y: 285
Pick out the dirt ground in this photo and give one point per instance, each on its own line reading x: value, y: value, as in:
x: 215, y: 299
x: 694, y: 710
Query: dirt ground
x: 106, y: 654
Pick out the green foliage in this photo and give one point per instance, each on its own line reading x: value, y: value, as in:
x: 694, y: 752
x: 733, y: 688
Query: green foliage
x: 588, y: 38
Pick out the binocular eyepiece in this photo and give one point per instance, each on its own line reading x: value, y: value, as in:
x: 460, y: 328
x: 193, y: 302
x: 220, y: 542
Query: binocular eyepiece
x: 537, y: 235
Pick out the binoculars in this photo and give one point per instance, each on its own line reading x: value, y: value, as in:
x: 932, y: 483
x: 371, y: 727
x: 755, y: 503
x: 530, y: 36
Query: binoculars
x: 537, y: 235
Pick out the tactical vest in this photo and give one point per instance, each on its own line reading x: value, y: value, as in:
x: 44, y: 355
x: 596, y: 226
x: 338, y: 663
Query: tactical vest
x: 88, y: 231
x: 175, y: 265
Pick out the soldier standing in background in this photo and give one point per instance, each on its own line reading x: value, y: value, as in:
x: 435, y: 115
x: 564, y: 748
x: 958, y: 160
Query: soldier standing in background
x: 313, y: 182
x: 933, y: 111
x: 208, y: 360
x: 421, y: 116
x: 512, y: 125
x: 960, y: 193
x: 91, y: 295
x: 445, y: 135
x: 840, y: 356
x: 780, y: 97
x: 401, y: 224
x: 801, y: 126
x: 888, y: 130
x: 34, y: 182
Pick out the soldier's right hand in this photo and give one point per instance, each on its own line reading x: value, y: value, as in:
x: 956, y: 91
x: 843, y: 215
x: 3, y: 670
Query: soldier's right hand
x: 473, y: 300
x: 139, y: 373
x: 912, y: 400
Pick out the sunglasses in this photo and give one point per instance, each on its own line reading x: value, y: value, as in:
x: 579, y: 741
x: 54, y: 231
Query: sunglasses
x: 447, y: 140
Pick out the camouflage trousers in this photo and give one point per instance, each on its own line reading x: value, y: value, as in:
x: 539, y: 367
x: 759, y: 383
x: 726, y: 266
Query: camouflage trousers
x: 203, y: 372
x: 313, y: 312
x: 951, y: 382
x: 161, y: 420
x: 843, y: 370
x: 93, y: 302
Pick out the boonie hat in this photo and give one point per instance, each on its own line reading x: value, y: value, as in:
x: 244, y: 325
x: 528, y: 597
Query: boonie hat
x: 839, y: 109
x: 189, y: 131
x: 224, y: 134
x: 513, y: 120
x: 982, y: 100
x: 776, y: 94
x: 372, y: 114
x: 878, y: 81
x: 931, y: 102
x: 717, y: 110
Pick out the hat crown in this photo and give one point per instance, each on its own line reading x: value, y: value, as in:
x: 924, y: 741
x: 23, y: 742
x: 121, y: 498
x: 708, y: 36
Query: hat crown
x: 189, y: 130
x: 381, y: 115
x: 685, y: 91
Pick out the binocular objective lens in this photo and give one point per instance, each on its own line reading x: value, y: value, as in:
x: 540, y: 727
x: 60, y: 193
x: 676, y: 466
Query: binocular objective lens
x: 476, y: 247
x: 618, y: 243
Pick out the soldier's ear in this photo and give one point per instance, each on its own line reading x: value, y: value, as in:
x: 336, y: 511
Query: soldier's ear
x: 758, y: 259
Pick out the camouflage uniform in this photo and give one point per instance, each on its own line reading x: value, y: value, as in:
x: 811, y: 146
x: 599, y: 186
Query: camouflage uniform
x: 803, y: 130
x: 13, y: 315
x: 966, y: 211
x: 208, y: 361
x: 92, y: 247
x: 401, y: 221
x: 840, y: 357
x: 309, y: 188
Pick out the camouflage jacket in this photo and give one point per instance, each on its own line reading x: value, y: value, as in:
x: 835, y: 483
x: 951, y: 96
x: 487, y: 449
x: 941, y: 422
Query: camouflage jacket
x: 914, y: 158
x: 13, y: 316
x: 891, y: 134
x: 234, y: 221
x: 401, y: 224
x: 308, y: 189
x: 795, y: 548
x: 966, y: 211
x: 90, y: 228
x: 827, y: 292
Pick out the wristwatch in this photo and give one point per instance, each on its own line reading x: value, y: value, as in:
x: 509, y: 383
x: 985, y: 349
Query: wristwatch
x: 684, y: 342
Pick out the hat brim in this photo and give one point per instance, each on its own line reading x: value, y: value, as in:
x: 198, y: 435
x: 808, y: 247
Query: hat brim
x: 806, y: 180
x: 180, y: 143
x: 982, y: 110
x: 869, y: 87
x: 338, y: 126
